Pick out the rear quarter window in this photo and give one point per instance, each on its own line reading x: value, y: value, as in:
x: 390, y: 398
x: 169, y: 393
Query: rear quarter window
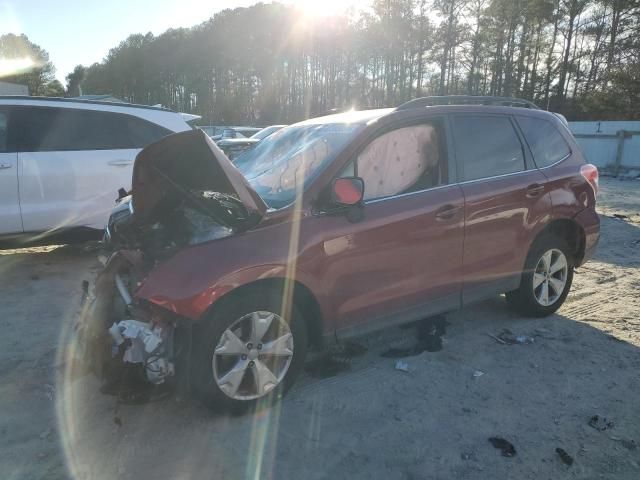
x: 486, y: 146
x: 546, y: 143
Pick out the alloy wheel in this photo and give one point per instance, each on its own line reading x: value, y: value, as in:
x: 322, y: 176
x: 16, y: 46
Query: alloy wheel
x: 550, y: 277
x: 253, y: 355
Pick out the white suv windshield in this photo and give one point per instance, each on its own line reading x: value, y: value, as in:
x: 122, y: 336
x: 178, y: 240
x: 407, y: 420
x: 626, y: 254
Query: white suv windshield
x: 289, y: 159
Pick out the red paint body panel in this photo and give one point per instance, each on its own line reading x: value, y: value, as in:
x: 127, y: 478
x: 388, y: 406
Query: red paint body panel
x: 398, y: 256
x: 501, y: 222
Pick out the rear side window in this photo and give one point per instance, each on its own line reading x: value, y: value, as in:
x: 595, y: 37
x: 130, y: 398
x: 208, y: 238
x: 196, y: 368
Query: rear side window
x: 546, y: 143
x: 62, y: 129
x: 486, y: 146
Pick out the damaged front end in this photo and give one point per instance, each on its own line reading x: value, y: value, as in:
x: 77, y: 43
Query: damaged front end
x: 130, y: 345
x: 185, y: 192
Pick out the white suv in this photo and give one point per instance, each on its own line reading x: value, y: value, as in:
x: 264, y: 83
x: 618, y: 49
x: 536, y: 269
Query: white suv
x: 62, y: 161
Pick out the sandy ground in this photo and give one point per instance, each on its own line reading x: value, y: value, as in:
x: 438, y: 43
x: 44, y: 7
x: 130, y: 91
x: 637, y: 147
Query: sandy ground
x: 370, y: 421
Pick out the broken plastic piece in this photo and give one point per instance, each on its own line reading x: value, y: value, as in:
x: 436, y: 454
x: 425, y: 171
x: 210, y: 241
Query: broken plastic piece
x: 115, y: 333
x: 402, y: 366
x: 564, y: 456
x: 524, y: 339
x: 506, y: 337
x: 145, y: 342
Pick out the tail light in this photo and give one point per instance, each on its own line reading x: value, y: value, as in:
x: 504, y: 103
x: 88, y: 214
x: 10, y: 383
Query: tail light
x: 590, y: 174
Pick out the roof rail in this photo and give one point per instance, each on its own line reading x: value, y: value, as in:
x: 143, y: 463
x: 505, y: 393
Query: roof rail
x: 466, y: 100
x: 82, y: 101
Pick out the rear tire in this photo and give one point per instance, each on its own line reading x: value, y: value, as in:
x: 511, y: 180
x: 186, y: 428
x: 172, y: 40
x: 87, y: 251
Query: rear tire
x: 241, y: 353
x: 546, y: 279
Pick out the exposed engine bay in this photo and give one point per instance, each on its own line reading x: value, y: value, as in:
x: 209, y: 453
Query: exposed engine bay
x: 201, y: 217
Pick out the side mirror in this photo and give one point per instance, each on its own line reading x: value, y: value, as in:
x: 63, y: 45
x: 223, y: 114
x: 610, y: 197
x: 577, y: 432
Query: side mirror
x: 347, y: 191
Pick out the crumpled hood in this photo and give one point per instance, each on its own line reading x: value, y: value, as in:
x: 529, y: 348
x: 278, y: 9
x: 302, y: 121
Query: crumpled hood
x: 182, y: 163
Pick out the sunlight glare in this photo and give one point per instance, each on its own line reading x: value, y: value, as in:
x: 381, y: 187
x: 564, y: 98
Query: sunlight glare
x: 322, y: 8
x: 15, y: 66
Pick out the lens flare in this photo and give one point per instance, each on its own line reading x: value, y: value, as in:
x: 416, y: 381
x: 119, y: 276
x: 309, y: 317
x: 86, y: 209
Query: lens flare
x: 16, y: 66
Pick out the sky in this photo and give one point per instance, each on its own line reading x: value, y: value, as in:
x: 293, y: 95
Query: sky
x: 82, y: 31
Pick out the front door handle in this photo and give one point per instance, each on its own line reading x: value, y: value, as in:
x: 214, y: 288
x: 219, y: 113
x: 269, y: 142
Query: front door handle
x: 535, y: 190
x: 447, y: 212
x: 119, y: 163
x: 4, y: 166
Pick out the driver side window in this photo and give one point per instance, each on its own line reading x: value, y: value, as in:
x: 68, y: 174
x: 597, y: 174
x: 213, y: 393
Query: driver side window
x: 404, y: 160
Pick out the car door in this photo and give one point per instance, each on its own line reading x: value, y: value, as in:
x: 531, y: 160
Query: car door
x: 72, y: 162
x: 505, y: 201
x: 402, y: 259
x: 10, y: 221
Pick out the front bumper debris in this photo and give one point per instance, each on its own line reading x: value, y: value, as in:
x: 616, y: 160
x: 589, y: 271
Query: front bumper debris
x: 119, y: 338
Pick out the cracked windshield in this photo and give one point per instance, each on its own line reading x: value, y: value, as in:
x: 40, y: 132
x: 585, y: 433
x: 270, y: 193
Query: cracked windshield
x: 339, y: 239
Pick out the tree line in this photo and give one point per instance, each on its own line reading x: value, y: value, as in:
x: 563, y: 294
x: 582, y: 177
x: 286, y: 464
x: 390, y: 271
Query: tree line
x: 271, y: 63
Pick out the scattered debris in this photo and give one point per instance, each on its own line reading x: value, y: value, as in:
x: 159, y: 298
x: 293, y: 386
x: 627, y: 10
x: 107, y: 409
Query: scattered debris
x: 626, y: 443
x: 507, y: 448
x: 429, y: 335
x: 327, y: 365
x: 564, y: 456
x: 46, y: 434
x: 620, y: 216
x: 478, y: 373
x: 468, y: 456
x: 600, y: 423
x: 402, y: 366
x: 507, y: 337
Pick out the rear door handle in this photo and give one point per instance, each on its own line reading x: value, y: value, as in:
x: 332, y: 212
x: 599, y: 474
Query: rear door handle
x: 447, y: 212
x: 119, y: 163
x: 4, y: 166
x: 535, y: 190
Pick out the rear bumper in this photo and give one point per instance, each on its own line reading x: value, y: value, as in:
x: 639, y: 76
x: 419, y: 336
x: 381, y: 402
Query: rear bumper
x: 590, y: 222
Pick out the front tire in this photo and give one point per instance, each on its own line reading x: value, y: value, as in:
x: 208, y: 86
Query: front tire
x: 249, y: 351
x: 546, y: 279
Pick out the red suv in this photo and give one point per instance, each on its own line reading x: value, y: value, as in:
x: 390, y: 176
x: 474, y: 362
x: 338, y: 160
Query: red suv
x: 334, y: 226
